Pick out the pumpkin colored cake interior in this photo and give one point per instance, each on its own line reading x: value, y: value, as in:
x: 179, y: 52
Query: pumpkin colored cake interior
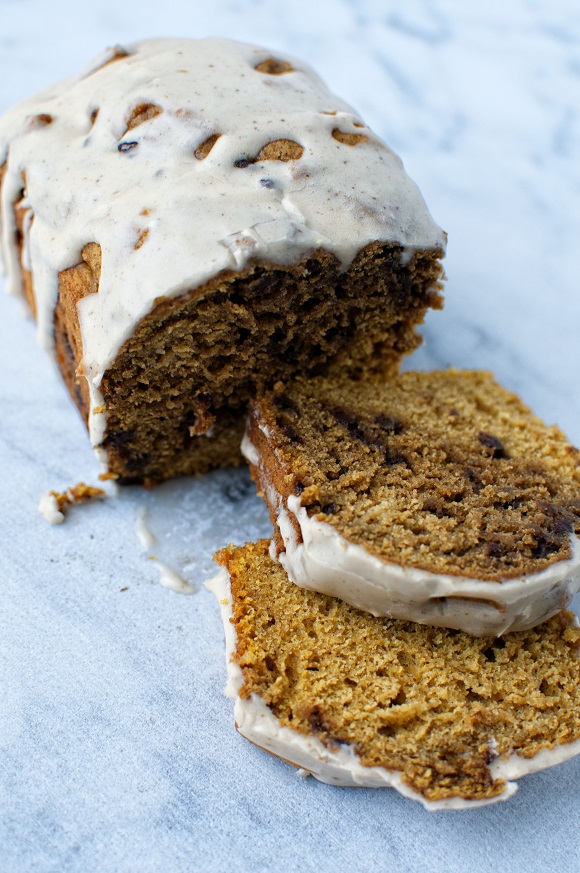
x: 446, y: 471
x: 439, y: 706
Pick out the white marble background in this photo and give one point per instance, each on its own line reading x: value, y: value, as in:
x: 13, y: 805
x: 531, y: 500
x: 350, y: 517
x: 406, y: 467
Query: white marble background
x: 117, y: 748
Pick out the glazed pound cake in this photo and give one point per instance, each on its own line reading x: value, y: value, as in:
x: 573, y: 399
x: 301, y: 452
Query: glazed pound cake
x: 192, y: 220
x: 433, y: 497
x: 444, y: 717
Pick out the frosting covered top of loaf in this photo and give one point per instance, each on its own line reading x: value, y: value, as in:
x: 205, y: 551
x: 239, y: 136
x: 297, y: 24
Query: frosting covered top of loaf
x: 184, y: 158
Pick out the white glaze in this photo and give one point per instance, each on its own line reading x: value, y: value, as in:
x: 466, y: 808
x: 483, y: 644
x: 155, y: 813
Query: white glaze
x: 340, y: 765
x: 48, y: 507
x: 204, y: 216
x: 514, y: 766
x: 168, y: 576
x: 249, y: 451
x: 145, y: 535
x: 326, y: 561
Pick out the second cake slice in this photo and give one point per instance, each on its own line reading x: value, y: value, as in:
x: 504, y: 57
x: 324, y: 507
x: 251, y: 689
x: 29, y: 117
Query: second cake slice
x: 436, y: 497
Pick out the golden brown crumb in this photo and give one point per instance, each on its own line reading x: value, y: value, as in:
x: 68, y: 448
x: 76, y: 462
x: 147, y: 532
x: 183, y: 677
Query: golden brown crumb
x: 80, y: 493
x: 280, y: 150
x: 351, y: 139
x: 198, y: 358
x: 435, y: 704
x: 444, y: 471
x: 107, y: 477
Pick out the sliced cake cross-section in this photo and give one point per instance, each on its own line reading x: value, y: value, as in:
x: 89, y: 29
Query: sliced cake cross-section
x: 444, y: 717
x: 434, y: 497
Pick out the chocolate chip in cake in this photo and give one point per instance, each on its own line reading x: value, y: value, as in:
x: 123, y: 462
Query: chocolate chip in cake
x: 347, y: 419
x: 329, y: 509
x: 127, y: 146
x: 394, y: 458
x: 316, y: 721
x: 119, y: 438
x: 137, y: 462
x: 494, y: 550
x: 545, y: 546
x: 314, y: 267
x: 291, y: 433
x: 489, y: 441
x: 283, y: 402
x: 473, y: 479
x: 561, y: 522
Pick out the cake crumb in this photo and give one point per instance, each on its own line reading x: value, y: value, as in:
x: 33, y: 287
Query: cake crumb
x: 54, y: 504
x: 107, y: 477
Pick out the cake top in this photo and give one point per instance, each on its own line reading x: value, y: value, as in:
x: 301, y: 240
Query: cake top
x: 436, y: 705
x: 184, y: 158
x: 445, y: 471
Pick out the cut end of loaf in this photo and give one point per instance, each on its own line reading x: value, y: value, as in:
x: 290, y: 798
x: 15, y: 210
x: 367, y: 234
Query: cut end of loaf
x: 177, y: 394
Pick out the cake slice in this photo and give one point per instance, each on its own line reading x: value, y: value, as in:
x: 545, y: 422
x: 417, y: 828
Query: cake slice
x: 434, y: 497
x: 190, y: 220
x: 444, y: 717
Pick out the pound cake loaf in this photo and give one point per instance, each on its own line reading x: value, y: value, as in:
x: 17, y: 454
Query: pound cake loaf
x: 446, y: 718
x: 190, y: 220
x: 433, y: 497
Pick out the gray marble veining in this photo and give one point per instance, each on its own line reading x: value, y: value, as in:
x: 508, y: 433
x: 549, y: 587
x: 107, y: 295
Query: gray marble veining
x: 117, y: 748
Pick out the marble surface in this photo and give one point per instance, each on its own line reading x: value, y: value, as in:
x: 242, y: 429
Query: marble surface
x: 117, y: 747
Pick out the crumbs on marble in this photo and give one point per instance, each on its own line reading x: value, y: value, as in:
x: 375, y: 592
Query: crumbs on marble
x: 54, y: 505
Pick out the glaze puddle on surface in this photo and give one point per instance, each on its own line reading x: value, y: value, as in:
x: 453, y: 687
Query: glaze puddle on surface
x: 182, y: 523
